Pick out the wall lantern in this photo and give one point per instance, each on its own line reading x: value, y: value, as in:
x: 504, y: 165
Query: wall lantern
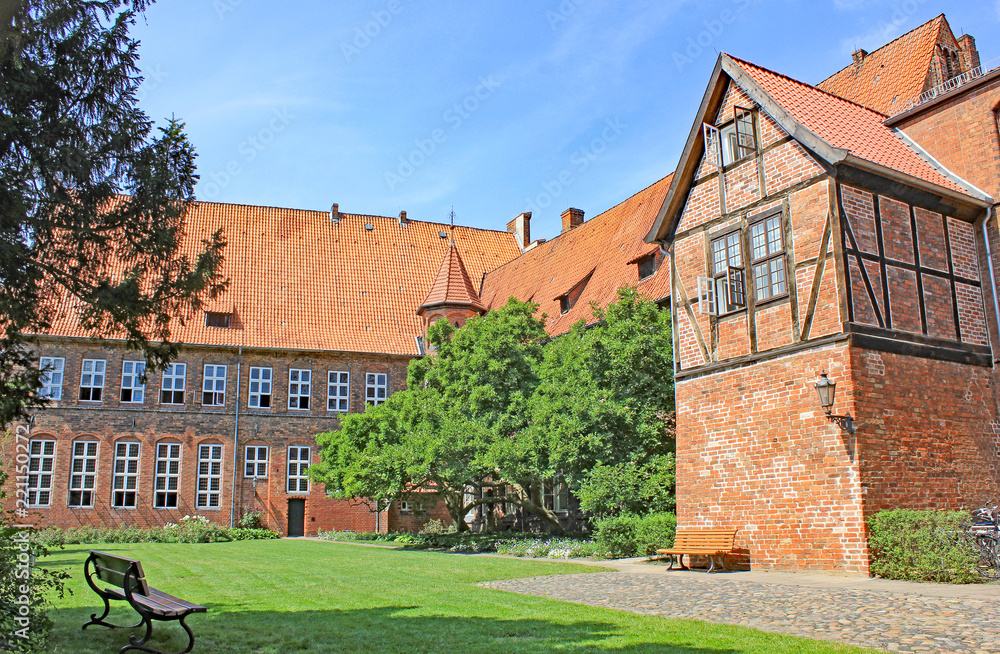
x: 827, y: 391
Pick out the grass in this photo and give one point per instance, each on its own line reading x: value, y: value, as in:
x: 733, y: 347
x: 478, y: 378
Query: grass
x: 271, y: 597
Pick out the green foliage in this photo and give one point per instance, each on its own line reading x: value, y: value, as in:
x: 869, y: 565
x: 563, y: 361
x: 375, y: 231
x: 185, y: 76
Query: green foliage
x: 606, y: 391
x: 514, y: 544
x: 501, y: 408
x: 627, y: 535
x: 629, y: 488
x: 26, y: 588
x: 191, y: 529
x: 455, y: 426
x: 926, y: 545
x: 547, y: 548
x: 654, y: 532
x: 251, y: 520
x: 86, y: 181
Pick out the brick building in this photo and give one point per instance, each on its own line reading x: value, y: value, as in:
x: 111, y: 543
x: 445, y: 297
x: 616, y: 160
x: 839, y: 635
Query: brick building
x: 323, y: 313
x: 814, y: 234
x: 320, y: 318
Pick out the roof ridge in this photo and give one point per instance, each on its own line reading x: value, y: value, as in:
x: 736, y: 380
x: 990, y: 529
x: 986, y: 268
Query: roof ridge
x: 886, y: 45
x: 806, y: 84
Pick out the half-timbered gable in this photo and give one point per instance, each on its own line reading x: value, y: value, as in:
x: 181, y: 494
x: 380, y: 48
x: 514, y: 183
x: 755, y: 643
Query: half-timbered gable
x: 807, y: 238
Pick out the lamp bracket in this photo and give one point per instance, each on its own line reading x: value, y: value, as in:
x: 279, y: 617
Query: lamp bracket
x: 844, y: 422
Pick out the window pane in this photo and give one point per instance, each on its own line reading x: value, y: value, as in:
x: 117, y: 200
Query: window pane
x: 758, y: 241
x: 777, y: 276
x: 774, y: 234
x: 760, y: 281
x: 733, y: 245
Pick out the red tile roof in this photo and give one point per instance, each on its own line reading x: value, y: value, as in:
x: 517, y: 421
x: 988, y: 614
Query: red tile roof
x: 452, y: 286
x: 604, y: 245
x: 301, y: 281
x: 844, y: 124
x: 892, y: 75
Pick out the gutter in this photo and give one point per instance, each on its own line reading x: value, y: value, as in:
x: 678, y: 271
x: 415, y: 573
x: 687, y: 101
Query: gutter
x: 989, y: 263
x: 236, y: 439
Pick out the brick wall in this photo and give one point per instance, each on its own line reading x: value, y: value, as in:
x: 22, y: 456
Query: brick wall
x: 927, y: 432
x: 755, y: 453
x: 191, y: 424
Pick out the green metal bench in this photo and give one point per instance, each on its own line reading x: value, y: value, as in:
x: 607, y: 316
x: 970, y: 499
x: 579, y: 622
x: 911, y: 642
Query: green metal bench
x: 127, y: 582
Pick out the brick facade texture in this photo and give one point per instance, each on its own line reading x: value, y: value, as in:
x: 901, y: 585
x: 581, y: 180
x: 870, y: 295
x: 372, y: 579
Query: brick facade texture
x: 111, y: 421
x: 755, y: 451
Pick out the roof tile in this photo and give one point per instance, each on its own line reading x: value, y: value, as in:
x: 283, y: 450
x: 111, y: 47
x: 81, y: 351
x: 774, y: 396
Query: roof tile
x: 301, y: 281
x: 605, y: 245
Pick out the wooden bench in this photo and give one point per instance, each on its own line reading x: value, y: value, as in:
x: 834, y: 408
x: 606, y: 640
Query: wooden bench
x: 704, y: 542
x: 128, y: 583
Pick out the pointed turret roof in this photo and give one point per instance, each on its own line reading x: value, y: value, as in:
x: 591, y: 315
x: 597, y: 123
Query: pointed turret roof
x: 452, y: 286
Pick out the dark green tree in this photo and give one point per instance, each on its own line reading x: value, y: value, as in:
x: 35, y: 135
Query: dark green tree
x: 602, y: 416
x: 92, y: 197
x: 457, y: 428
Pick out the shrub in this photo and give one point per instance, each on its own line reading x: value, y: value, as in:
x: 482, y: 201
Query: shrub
x: 251, y: 520
x: 244, y: 533
x: 654, y: 532
x: 629, y: 488
x: 921, y: 546
x: 631, y: 535
x: 191, y: 529
x: 616, y: 536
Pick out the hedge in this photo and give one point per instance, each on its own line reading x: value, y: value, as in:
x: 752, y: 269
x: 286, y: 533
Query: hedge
x: 921, y: 545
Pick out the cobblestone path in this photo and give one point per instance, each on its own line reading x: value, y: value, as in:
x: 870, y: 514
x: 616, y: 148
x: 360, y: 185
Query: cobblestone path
x: 898, y: 622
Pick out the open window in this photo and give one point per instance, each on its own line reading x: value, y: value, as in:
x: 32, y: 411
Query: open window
x: 713, y: 151
x: 725, y: 291
x: 739, y: 138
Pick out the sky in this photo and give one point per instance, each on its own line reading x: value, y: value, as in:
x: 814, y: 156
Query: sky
x: 483, y: 108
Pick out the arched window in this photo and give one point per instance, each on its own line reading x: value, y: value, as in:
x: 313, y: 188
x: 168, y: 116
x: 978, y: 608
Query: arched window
x: 166, y: 482
x: 125, y: 482
x: 83, y: 473
x: 209, y: 491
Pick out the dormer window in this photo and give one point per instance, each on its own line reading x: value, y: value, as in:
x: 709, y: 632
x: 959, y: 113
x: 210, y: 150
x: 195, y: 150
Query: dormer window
x: 567, y: 301
x: 219, y: 320
x: 647, y: 266
x: 739, y: 139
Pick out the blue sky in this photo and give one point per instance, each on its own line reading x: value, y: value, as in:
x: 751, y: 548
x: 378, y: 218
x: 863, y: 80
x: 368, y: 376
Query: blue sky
x: 490, y: 108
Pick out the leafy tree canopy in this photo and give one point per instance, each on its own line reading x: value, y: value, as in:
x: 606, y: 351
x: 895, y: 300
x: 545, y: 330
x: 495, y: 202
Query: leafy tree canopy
x: 92, y: 198
x: 501, y: 408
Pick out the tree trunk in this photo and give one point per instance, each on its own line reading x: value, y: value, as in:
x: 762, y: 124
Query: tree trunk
x: 532, y: 507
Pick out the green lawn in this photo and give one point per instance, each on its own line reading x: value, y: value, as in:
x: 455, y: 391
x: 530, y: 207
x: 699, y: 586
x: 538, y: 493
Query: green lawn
x: 274, y: 597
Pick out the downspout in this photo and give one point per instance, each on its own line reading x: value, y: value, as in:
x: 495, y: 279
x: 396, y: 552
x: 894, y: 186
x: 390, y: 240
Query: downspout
x: 989, y: 263
x: 673, y: 319
x: 236, y: 438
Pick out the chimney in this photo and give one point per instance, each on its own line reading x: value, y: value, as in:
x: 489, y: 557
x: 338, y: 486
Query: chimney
x: 402, y: 218
x: 520, y: 227
x: 970, y: 56
x: 571, y: 218
x: 335, y: 213
x: 859, y: 57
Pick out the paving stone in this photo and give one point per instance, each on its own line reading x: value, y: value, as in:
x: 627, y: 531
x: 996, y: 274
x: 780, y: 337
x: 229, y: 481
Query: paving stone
x: 891, y: 621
